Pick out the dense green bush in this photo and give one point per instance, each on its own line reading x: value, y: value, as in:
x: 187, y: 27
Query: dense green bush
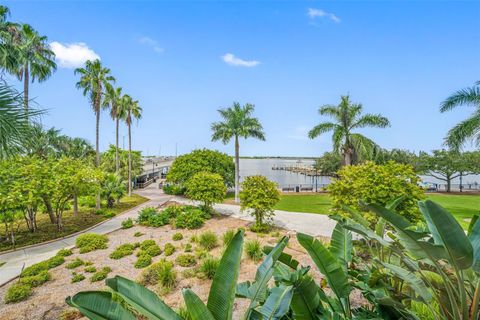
x: 128, y: 223
x: 91, y: 241
x: 123, y: 250
x: 101, y: 274
x: 90, y: 269
x: 174, y: 189
x: 162, y: 273
x: 143, y: 260
x: 169, y: 249
x: 377, y: 184
x: 186, y: 166
x: 186, y: 260
x: 77, y: 262
x: 253, y: 249
x: 188, y: 247
x: 206, y: 187
x: 177, y: 236
x: 37, y: 268
x: 18, y: 292
x: 152, y: 217
x: 260, y: 196
x: 208, y: 240
x: 64, y: 253
x: 209, y: 266
x: 36, y: 280
x: 77, y: 277
x: 189, y: 218
x: 153, y: 251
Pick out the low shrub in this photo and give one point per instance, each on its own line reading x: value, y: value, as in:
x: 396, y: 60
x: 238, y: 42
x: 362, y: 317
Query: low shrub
x: 189, y: 273
x: 18, y: 292
x: 261, y: 228
x: 173, y: 211
x: 64, y: 253
x: 153, y: 251
x: 194, y: 238
x: 152, y: 217
x: 188, y: 248
x: 128, y: 223
x: 169, y: 249
x: 173, y: 189
x: 201, y: 253
x: 70, y: 314
x: 177, y: 236
x: 228, y: 236
x: 143, y: 261
x: 147, y: 243
x: 37, y: 268
x: 138, y: 234
x: 101, y: 274
x: 186, y: 260
x: 75, y: 263
x: 123, y: 250
x: 90, y: 269
x: 253, y: 249
x: 209, y: 266
x: 91, y: 241
x: 208, y: 240
x: 191, y: 218
x: 87, y: 201
x: 36, y: 280
x: 162, y: 273
x: 77, y: 277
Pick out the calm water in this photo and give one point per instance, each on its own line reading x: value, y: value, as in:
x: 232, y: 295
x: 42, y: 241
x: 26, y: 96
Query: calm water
x: 250, y: 167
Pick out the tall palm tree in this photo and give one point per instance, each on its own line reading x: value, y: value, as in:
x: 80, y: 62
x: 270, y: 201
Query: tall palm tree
x: 129, y: 110
x: 94, y: 81
x: 113, y: 99
x: 347, y: 117
x: 34, y: 59
x: 237, y: 123
x: 469, y: 128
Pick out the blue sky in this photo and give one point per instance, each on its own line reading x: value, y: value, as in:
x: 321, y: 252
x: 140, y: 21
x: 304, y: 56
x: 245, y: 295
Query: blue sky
x: 184, y: 60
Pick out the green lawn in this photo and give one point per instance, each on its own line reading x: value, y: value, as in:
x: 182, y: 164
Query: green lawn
x: 463, y: 207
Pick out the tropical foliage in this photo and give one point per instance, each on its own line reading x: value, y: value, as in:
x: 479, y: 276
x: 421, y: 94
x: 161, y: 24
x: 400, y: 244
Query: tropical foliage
x: 206, y: 187
x: 379, y: 184
x: 347, y: 117
x: 237, y: 122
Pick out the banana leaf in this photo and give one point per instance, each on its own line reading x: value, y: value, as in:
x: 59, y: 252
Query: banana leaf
x: 305, y: 302
x: 327, y: 264
x: 341, y: 245
x: 411, y: 279
x: 355, y: 215
x: 195, y: 306
x: 447, y: 232
x: 474, y: 238
x: 222, y: 292
x: 143, y: 300
x: 284, y: 258
x: 277, y: 303
x: 472, y: 223
x: 99, y: 305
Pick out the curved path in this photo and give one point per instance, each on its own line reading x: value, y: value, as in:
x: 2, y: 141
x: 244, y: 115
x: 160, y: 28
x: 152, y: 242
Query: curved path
x: 314, y: 224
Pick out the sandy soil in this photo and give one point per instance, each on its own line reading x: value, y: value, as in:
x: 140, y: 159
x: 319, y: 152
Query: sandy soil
x: 47, y: 301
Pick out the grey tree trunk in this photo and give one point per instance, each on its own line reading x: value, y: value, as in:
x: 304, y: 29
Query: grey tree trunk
x: 26, y: 79
x: 129, y: 160
x: 237, y: 170
x: 117, y: 160
x: 75, y: 205
x: 97, y: 150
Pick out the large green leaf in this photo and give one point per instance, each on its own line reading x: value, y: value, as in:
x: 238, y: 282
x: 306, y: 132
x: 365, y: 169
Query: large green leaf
x: 284, y: 258
x: 196, y: 308
x: 98, y: 305
x: 341, y: 245
x: 475, y: 241
x: 327, y: 264
x: 277, y: 303
x: 143, y: 300
x: 366, y: 232
x: 257, y: 291
x: 411, y: 279
x: 222, y: 292
x: 447, y: 232
x: 306, y: 299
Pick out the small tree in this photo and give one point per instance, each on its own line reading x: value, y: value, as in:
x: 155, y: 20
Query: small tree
x: 377, y: 184
x: 206, y: 187
x: 113, y: 188
x: 260, y: 195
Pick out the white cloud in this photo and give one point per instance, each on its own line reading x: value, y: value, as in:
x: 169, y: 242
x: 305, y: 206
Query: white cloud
x: 230, y: 59
x: 317, y: 13
x: 72, y: 55
x: 151, y: 43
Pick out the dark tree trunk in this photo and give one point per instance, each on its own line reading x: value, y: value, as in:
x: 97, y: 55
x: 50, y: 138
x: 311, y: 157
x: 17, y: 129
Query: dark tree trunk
x: 50, y: 212
x: 449, y: 183
x: 75, y: 205
x: 237, y: 170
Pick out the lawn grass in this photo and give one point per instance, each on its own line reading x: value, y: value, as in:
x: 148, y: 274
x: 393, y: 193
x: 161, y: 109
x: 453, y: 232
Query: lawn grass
x: 87, y: 217
x: 463, y: 207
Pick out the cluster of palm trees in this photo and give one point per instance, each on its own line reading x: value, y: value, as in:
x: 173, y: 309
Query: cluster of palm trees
x: 97, y: 84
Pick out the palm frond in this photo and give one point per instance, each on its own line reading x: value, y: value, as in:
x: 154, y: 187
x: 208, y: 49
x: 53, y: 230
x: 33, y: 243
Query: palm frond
x: 320, y: 129
x: 468, y: 96
x: 371, y: 120
x: 464, y: 131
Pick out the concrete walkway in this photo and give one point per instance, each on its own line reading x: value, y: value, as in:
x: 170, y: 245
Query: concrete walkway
x: 21, y: 258
x: 313, y: 224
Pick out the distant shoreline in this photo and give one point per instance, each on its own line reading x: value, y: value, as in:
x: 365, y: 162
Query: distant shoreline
x: 278, y: 157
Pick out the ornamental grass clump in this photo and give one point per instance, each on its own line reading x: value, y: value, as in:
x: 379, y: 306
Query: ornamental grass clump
x: 208, y: 240
x: 169, y: 249
x: 209, y: 266
x: 101, y: 274
x: 177, y: 236
x: 186, y: 260
x: 91, y: 241
x: 253, y: 249
x: 227, y: 237
x: 77, y: 277
x: 127, y: 224
x: 77, y: 262
x: 161, y: 272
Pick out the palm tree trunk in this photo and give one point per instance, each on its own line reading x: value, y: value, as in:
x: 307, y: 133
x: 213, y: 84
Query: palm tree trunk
x: 237, y: 169
x: 117, y: 161
x: 97, y: 147
x: 129, y: 160
x: 26, y: 79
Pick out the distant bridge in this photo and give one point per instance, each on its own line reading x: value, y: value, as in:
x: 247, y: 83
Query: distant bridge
x: 153, y: 169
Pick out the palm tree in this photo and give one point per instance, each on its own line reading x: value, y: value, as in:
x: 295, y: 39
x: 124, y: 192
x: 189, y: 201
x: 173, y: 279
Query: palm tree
x: 237, y: 123
x: 467, y: 129
x: 113, y: 100
x: 34, y: 59
x: 94, y: 80
x: 9, y: 35
x: 347, y: 117
x: 129, y: 109
x: 15, y: 129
